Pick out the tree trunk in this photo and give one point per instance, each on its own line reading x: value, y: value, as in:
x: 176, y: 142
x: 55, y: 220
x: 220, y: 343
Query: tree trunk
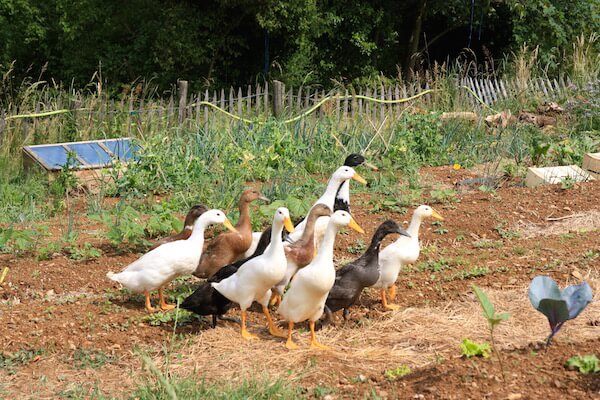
x: 413, y: 41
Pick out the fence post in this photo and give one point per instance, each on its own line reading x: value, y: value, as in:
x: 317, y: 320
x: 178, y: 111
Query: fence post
x: 183, y: 89
x: 278, y: 91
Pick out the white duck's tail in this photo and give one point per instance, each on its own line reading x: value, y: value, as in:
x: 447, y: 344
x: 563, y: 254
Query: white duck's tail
x: 112, y: 276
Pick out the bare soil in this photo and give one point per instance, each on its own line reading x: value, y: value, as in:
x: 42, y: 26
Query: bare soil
x: 58, y: 307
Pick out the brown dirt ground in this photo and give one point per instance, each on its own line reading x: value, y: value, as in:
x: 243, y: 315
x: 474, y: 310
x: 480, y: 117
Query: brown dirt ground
x: 60, y: 306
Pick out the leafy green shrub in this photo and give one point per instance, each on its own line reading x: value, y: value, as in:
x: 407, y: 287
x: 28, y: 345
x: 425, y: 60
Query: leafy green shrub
x: 587, y: 364
x: 124, y: 226
x: 21, y: 240
x: 470, y: 349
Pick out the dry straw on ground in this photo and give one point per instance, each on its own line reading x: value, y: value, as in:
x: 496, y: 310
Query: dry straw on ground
x: 414, y: 336
x: 580, y: 222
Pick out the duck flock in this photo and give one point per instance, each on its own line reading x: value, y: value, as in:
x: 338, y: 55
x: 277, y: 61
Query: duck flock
x: 284, y: 266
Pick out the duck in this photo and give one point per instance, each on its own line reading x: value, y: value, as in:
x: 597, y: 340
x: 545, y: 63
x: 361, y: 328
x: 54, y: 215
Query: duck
x: 341, y: 175
x: 188, y: 224
x: 255, y: 278
x: 229, y: 247
x: 352, y: 278
x: 405, y: 250
x: 160, y: 266
x: 300, y: 253
x: 306, y: 296
x: 342, y: 198
x: 206, y: 300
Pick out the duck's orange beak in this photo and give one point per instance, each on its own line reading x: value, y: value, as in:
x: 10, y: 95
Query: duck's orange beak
x: 287, y: 222
x: 359, y: 178
x: 355, y: 226
x: 229, y: 226
x: 436, y: 215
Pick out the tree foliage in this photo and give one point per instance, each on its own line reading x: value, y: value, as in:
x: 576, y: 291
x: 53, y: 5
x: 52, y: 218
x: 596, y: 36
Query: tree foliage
x: 221, y: 42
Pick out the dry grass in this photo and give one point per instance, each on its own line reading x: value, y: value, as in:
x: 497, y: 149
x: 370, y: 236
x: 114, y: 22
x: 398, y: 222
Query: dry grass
x: 414, y: 336
x: 583, y: 222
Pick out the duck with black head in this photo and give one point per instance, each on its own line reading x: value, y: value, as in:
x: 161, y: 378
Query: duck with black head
x: 352, y: 278
x: 342, y: 198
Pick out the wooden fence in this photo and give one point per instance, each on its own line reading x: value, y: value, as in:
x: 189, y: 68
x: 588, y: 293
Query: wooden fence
x: 93, y: 116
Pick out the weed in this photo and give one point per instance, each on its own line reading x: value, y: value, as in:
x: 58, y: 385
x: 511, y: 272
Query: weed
x: 393, y: 374
x: 470, y: 349
x: 91, y: 358
x: 519, y: 250
x: 84, y: 252
x: 506, y: 234
x: 357, y: 248
x: 443, y: 196
x: 567, y: 183
x: 587, y: 364
x: 10, y: 361
x: 488, y: 244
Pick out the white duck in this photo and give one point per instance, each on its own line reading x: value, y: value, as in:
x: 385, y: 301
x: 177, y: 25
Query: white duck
x: 341, y: 175
x: 255, y: 278
x: 161, y: 265
x: 305, y: 299
x: 405, y: 250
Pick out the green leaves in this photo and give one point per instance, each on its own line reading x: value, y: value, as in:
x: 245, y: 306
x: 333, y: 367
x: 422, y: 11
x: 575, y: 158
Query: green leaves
x: 470, y: 349
x: 587, y: 364
x: 488, y: 308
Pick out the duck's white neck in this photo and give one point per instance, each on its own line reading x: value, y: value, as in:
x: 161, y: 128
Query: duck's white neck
x: 276, y: 243
x: 197, y: 236
x: 325, y: 252
x: 415, y: 224
x: 344, y: 192
x: 328, y: 197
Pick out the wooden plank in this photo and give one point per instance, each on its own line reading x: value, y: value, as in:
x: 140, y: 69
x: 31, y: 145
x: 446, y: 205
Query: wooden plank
x: 206, y: 99
x: 345, y: 109
x: 266, y: 99
x: 222, y: 104
x: 368, y: 103
x: 299, y: 100
x: 249, y: 102
x: 290, y: 102
x: 240, y: 102
x: 337, y: 105
x: 258, y: 100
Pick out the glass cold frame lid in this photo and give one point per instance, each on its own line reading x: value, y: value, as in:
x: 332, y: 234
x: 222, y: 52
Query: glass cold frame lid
x: 55, y: 157
x: 90, y: 154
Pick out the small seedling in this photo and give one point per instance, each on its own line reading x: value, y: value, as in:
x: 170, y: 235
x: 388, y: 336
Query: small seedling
x: 494, y: 319
x: 470, y: 349
x: 357, y: 247
x: 587, y: 364
x: 393, y: 374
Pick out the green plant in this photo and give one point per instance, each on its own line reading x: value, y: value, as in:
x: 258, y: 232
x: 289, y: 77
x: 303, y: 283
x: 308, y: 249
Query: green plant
x: 396, y: 373
x: 21, y: 240
x: 85, y: 358
x: 587, y: 364
x: 470, y: 349
x: 357, y: 248
x: 84, y: 252
x: 9, y: 361
x: 493, y: 319
x: 443, y: 196
x: 124, y: 226
x: 567, y: 183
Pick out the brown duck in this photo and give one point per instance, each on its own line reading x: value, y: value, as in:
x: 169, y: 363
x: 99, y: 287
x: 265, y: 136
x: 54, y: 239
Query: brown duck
x: 186, y: 232
x: 301, y: 252
x: 228, y: 247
